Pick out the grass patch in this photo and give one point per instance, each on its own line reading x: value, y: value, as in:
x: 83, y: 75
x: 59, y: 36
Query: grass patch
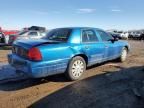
x: 5, y: 47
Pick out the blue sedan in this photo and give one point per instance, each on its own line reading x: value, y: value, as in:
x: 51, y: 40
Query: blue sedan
x: 66, y: 50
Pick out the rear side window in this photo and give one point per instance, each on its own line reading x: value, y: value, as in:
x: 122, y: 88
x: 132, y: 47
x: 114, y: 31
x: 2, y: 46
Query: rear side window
x: 33, y: 34
x: 22, y: 33
x: 105, y: 36
x: 89, y: 36
x: 61, y: 34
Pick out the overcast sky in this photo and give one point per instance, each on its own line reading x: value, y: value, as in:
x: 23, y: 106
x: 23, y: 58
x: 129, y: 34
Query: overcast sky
x: 105, y: 14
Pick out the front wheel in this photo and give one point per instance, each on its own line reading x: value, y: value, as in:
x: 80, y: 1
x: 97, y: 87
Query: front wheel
x: 123, y: 55
x: 76, y: 68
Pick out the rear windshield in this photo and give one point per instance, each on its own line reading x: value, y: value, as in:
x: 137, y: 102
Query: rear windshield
x: 21, y: 33
x: 61, y: 35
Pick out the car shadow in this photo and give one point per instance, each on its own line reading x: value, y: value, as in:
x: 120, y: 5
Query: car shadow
x: 21, y: 83
x: 29, y: 82
x: 108, y: 90
x: 106, y: 63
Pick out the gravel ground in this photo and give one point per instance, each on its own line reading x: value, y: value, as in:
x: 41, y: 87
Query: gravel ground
x: 108, y: 85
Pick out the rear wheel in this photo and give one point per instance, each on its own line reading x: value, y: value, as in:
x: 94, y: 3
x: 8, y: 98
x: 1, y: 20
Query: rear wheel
x: 76, y: 68
x: 123, y: 55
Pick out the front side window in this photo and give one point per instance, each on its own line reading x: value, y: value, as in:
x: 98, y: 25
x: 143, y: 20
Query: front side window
x: 105, y: 36
x: 89, y: 36
x: 61, y: 35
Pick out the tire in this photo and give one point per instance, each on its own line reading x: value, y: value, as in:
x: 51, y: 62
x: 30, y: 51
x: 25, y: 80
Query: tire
x: 123, y: 55
x: 76, y: 68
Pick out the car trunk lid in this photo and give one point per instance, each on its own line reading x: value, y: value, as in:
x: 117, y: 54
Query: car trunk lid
x: 33, y: 43
x: 21, y: 47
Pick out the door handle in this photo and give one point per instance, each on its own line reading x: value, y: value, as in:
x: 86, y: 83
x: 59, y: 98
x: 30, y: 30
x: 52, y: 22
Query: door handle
x: 87, y: 47
x: 106, y: 46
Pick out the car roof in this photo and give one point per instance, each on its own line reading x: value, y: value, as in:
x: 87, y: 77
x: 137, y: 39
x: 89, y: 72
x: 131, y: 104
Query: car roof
x: 79, y: 28
x: 34, y: 31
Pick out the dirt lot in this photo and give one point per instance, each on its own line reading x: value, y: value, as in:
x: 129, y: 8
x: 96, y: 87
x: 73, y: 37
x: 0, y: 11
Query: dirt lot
x: 3, y: 53
x: 108, y: 85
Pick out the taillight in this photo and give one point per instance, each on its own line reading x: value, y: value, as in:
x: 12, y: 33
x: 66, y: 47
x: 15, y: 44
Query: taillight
x: 34, y: 54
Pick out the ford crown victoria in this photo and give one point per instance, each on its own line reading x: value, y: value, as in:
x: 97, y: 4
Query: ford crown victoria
x: 66, y: 50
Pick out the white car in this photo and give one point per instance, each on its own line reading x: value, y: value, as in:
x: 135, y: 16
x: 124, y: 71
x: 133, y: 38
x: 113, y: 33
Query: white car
x: 124, y: 35
x: 6, y: 39
x: 26, y: 35
x: 137, y: 34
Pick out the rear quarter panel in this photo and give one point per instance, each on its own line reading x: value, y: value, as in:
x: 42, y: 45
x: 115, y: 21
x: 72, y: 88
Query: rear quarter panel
x: 55, y: 52
x: 55, y: 59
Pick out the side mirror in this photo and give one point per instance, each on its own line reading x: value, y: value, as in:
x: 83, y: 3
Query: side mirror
x: 114, y: 39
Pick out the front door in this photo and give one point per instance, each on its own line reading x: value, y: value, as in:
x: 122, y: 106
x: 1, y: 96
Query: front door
x: 111, y: 48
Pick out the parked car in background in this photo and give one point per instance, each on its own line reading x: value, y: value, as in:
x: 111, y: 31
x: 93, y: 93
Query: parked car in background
x: 130, y: 35
x: 142, y: 36
x: 31, y: 34
x: 6, y: 40
x: 136, y: 35
x: 119, y: 32
x: 2, y: 37
x: 115, y: 35
x: 124, y: 35
x: 37, y: 28
x: 66, y: 50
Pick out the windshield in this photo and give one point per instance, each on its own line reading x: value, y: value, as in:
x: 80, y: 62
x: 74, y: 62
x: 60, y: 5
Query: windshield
x: 61, y: 35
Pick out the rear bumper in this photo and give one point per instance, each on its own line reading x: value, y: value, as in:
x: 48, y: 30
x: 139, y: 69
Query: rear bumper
x: 19, y: 64
x: 37, y: 69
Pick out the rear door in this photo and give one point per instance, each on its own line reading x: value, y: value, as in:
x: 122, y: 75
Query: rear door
x: 92, y: 46
x: 111, y: 48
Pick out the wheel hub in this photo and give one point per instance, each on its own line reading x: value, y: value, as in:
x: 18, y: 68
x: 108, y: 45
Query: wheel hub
x: 77, y: 68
